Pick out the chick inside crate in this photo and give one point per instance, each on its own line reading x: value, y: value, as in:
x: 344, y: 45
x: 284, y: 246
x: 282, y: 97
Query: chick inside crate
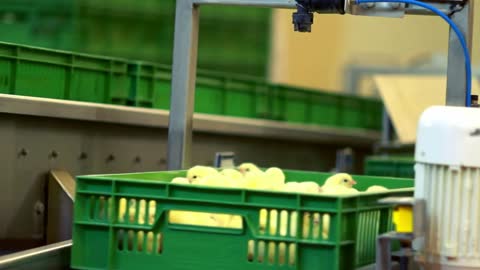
x: 206, y: 219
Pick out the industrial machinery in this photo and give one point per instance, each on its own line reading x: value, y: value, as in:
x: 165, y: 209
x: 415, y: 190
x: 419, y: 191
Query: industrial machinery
x: 460, y: 14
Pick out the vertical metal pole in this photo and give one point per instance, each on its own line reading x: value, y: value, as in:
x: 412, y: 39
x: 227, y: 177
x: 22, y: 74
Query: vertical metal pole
x: 456, y: 74
x: 183, y: 85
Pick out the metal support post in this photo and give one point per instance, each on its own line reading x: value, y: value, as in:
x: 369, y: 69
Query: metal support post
x: 184, y: 73
x: 456, y: 73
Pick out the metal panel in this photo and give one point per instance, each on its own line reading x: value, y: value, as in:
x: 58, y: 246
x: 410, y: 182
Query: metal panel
x: 85, y: 138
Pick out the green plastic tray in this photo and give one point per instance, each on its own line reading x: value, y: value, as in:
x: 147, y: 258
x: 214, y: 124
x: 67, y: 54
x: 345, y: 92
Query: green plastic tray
x: 215, y: 93
x: 103, y: 240
x: 120, y: 28
x: 395, y: 166
x: 39, y: 23
x: 310, y: 106
x: 38, y: 72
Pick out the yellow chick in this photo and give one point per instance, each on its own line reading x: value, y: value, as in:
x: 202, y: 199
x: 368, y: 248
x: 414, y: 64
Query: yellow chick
x: 234, y: 177
x: 377, y: 189
x: 180, y: 180
x: 152, y: 209
x: 198, y: 172
x: 232, y: 173
x: 142, y: 211
x: 192, y: 218
x: 339, y: 190
x: 245, y: 168
x: 340, y: 179
x: 339, y: 184
x: 132, y: 209
x: 217, y: 180
x: 256, y: 180
x: 235, y: 222
x: 326, y: 226
x: 275, y: 178
x: 309, y: 187
x: 292, y: 187
x: 122, y: 209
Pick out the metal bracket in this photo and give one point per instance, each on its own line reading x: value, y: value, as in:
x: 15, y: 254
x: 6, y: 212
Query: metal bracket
x: 224, y: 160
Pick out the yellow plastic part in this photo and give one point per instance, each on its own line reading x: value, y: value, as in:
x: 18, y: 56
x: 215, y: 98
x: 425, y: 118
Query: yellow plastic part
x: 403, y: 219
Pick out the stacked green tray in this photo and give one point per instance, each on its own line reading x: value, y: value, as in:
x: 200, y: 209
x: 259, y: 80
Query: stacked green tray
x: 47, y: 23
x: 38, y: 72
x: 144, y: 30
x: 309, y: 106
x: 395, y: 166
x: 106, y: 237
x: 215, y: 93
x: 141, y: 30
x: 32, y: 71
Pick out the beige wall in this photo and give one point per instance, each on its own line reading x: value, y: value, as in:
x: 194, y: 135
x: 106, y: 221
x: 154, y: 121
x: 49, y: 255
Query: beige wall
x: 317, y: 59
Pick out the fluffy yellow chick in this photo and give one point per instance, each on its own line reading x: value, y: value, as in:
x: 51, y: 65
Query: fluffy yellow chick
x: 292, y: 187
x: 301, y: 187
x: 326, y: 226
x: 339, y: 184
x: 142, y: 211
x: 122, y: 209
x: 256, y: 180
x: 339, y: 190
x: 340, y: 179
x: 309, y: 187
x: 377, y: 189
x: 275, y: 178
x: 192, y: 218
x: 245, y: 168
x: 198, y: 172
x: 234, y: 177
x: 152, y: 209
x: 132, y: 209
x: 218, y: 180
x: 232, y: 173
x: 180, y: 180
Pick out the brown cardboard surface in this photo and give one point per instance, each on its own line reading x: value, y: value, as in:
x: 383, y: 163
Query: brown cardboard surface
x: 407, y: 96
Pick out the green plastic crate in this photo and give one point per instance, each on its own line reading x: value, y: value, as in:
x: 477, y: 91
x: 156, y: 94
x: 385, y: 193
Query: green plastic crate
x: 120, y: 27
x: 325, y: 109
x: 353, y: 112
x: 106, y: 239
x: 395, y: 166
x: 215, y: 93
x: 38, y: 23
x: 361, y: 112
x: 38, y: 72
x: 309, y: 106
x: 296, y: 105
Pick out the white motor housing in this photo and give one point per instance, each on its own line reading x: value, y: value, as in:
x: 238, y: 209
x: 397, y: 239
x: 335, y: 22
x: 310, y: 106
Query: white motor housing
x: 447, y: 177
